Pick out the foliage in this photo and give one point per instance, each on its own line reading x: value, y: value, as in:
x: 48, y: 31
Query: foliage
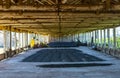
x: 111, y: 41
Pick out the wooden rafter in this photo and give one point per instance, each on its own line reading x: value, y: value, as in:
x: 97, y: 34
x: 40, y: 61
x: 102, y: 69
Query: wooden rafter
x: 59, y: 16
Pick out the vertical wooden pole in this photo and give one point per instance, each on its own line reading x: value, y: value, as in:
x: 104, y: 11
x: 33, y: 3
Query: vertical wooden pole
x: 22, y: 40
x: 114, y: 37
x: 108, y: 36
x: 98, y: 39
x: 10, y: 50
x: 27, y: 40
x: 95, y: 33
x: 19, y: 41
x: 104, y: 38
x: 15, y: 41
x: 101, y: 37
x: 5, y: 43
x: 93, y: 37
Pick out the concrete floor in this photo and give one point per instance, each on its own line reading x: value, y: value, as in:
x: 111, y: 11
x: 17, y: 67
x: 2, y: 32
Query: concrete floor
x: 14, y: 68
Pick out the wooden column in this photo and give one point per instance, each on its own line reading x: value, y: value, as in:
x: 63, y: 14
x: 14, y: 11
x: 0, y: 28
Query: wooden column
x: 22, y: 40
x: 95, y: 33
x: 28, y: 38
x: 19, y: 41
x: 72, y: 37
x: 84, y: 37
x: 27, y: 41
x: 114, y: 37
x: 90, y: 37
x: 101, y: 36
x: 78, y: 37
x: 5, y: 43
x: 108, y: 36
x: 104, y: 38
x: 15, y: 41
x: 93, y: 37
x: 10, y: 41
x: 98, y: 36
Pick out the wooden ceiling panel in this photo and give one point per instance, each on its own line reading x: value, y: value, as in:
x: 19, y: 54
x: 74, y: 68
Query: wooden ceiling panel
x: 59, y: 16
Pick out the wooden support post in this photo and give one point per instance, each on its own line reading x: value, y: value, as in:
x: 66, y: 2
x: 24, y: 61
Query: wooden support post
x: 95, y: 33
x: 15, y: 41
x: 87, y: 40
x: 5, y: 43
x: 84, y: 37
x: 98, y: 36
x: 78, y: 37
x: 27, y: 39
x: 72, y: 37
x: 101, y: 36
x: 104, y: 38
x: 10, y: 49
x: 108, y: 36
x: 93, y: 37
x: 114, y: 37
x: 22, y: 40
x: 90, y: 37
x: 50, y: 38
x: 19, y: 42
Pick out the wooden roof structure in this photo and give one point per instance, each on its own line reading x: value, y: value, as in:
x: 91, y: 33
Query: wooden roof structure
x: 59, y: 16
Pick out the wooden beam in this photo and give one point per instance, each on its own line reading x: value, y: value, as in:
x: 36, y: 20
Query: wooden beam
x: 108, y: 4
x: 39, y: 2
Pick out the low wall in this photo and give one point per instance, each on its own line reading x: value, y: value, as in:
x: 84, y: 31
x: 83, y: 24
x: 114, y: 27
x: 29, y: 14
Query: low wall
x: 11, y: 53
x: 2, y: 56
x: 110, y: 51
